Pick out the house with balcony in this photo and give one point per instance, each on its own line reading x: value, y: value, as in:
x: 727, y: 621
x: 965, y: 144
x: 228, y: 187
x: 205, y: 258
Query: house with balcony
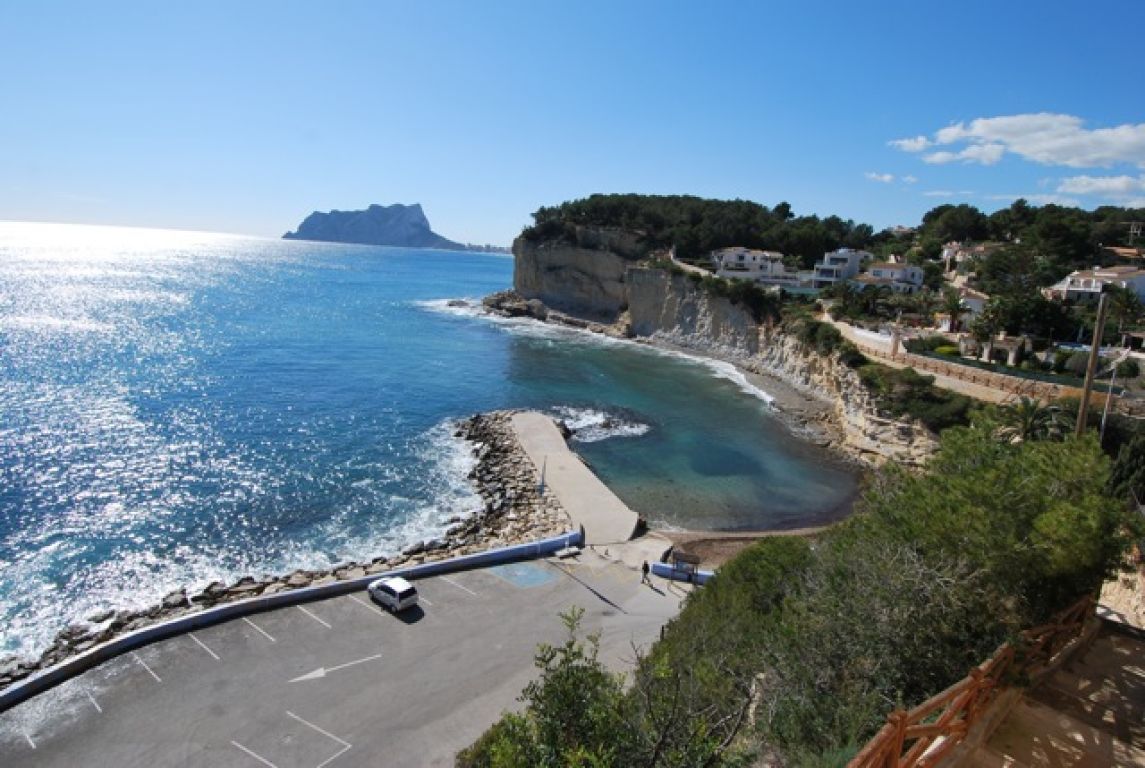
x: 764, y: 267
x: 1086, y: 285
x: 841, y: 264
x: 900, y: 278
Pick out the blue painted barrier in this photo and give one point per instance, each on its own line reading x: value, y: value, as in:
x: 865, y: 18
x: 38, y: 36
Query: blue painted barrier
x: 666, y: 571
x: 70, y: 667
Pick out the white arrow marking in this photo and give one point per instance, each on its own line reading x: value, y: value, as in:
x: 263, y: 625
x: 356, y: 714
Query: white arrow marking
x: 321, y: 671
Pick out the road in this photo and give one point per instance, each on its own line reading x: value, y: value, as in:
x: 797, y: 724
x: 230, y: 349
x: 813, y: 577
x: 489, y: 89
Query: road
x: 337, y: 682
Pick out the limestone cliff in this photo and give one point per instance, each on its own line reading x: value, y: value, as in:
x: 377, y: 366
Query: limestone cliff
x: 583, y: 274
x: 652, y: 303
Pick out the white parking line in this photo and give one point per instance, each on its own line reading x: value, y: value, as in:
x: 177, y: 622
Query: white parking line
x: 254, y: 754
x: 259, y: 629
x: 327, y: 734
x: 367, y: 606
x: 143, y: 664
x: 203, y: 645
x: 459, y: 586
x: 421, y: 599
x: 94, y: 703
x: 311, y: 615
x: 31, y: 743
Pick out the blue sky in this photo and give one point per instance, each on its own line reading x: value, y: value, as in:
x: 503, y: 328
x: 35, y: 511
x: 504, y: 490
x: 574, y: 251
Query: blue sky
x: 245, y: 116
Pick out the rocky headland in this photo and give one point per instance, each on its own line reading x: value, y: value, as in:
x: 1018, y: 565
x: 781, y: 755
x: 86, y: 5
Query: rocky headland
x: 514, y: 511
x: 397, y: 225
x: 599, y: 279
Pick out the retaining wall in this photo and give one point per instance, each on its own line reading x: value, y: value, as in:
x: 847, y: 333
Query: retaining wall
x: 666, y: 571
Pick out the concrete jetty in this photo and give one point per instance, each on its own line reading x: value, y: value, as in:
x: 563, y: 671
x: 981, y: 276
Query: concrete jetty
x: 605, y: 518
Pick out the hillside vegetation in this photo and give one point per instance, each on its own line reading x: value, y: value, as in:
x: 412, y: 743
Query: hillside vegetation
x: 695, y: 226
x: 803, y: 646
x: 1039, y: 244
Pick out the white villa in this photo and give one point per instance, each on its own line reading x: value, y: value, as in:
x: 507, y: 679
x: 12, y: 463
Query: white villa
x: 1086, y: 285
x: 973, y: 303
x: 901, y: 278
x: 955, y: 254
x: 842, y: 264
x: 749, y: 264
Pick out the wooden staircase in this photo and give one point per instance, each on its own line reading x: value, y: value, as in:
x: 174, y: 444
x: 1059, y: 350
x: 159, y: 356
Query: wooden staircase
x: 1090, y: 712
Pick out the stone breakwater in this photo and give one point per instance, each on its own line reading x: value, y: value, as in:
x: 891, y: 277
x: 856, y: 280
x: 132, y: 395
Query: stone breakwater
x: 514, y: 511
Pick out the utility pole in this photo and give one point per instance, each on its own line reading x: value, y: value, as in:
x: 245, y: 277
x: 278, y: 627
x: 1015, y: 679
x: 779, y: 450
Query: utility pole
x: 1094, y: 354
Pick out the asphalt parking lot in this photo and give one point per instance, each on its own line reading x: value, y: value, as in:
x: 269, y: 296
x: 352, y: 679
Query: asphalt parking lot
x: 337, y: 682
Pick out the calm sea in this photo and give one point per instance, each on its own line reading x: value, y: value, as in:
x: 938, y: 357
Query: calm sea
x: 182, y: 407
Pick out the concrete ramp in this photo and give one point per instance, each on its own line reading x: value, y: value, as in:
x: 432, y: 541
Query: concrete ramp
x: 588, y: 501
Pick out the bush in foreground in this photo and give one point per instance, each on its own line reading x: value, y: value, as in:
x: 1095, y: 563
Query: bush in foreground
x: 805, y: 645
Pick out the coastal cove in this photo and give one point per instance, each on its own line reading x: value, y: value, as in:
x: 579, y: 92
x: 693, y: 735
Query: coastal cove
x: 234, y: 407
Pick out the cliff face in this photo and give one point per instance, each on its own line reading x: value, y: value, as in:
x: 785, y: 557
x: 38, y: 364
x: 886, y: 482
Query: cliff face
x: 584, y: 276
x: 654, y: 304
x: 400, y: 225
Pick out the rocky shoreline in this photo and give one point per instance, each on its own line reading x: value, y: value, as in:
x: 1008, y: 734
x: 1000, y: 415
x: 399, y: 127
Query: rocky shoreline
x: 808, y: 415
x: 514, y: 511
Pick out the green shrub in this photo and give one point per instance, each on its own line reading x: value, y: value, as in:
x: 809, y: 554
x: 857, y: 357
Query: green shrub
x: 949, y: 350
x: 929, y: 343
x: 763, y: 305
x: 905, y: 392
x: 1128, y: 369
x: 882, y: 611
x: 1077, y: 363
x: 850, y: 356
x: 1061, y: 357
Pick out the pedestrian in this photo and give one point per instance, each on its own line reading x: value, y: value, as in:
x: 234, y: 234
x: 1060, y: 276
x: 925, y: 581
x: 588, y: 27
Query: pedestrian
x: 644, y: 573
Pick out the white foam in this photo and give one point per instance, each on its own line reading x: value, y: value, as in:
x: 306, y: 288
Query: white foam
x: 519, y: 326
x: 466, y: 307
x: 531, y: 327
x: 723, y: 370
x: 592, y: 426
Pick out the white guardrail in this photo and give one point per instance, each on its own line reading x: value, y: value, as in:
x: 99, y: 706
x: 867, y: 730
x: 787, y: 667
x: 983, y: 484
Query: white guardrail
x: 75, y: 665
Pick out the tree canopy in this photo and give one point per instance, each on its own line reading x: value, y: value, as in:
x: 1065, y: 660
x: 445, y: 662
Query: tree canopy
x: 697, y: 226
x: 1039, y: 245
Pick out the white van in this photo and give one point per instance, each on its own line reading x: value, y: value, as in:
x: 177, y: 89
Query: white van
x: 394, y: 593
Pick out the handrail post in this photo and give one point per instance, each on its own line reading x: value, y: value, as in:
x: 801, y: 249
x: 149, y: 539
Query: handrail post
x: 980, y: 684
x: 898, y: 718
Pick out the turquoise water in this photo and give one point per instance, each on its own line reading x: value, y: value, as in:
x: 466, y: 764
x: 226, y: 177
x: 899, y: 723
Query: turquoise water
x: 178, y: 407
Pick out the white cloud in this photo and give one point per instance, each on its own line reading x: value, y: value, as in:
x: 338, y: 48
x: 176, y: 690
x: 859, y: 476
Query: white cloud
x: 1106, y: 186
x: 1039, y: 199
x: 909, y: 179
x: 1043, y: 137
x: 947, y: 193
x: 940, y: 158
x: 917, y: 144
x: 984, y: 154
x: 885, y: 178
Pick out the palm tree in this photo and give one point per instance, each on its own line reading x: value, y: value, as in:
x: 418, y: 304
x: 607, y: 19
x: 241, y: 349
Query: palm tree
x: 1030, y: 419
x: 1124, y: 306
x: 952, y: 305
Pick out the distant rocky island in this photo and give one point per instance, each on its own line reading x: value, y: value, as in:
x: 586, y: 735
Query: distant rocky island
x: 400, y: 225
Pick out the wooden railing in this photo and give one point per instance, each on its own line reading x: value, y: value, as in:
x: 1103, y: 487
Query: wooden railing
x: 926, y: 734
